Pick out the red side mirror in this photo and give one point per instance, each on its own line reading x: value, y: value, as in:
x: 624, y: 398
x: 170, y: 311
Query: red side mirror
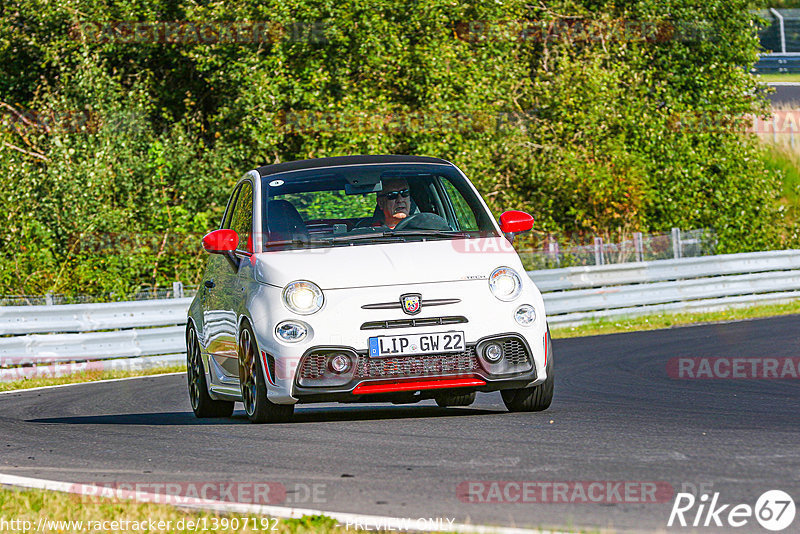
x: 513, y: 222
x: 220, y: 241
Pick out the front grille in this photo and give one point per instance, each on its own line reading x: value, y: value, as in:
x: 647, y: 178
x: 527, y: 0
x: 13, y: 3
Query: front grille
x: 516, y: 360
x: 423, y: 365
x: 514, y: 352
x: 313, y: 365
x: 406, y: 323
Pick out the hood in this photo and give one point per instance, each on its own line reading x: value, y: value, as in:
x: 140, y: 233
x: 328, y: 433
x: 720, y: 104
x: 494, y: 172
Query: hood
x: 415, y: 262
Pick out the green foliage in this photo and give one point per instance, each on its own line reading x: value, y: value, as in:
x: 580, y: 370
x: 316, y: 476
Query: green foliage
x: 578, y: 130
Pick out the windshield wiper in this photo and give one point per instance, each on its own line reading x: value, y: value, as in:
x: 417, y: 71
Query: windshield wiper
x: 400, y: 235
x: 364, y: 237
x: 432, y: 233
x: 296, y: 242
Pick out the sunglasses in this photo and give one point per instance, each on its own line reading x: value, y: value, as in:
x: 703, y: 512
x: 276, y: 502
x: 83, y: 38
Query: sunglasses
x: 392, y: 195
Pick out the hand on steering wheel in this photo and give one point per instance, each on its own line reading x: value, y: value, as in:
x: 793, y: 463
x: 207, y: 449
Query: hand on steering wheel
x: 424, y: 221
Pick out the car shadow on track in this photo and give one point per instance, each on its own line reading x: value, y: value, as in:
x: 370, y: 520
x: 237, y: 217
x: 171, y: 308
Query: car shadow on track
x: 302, y: 415
x: 319, y: 414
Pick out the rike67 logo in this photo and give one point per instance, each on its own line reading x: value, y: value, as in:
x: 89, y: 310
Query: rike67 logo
x: 774, y: 510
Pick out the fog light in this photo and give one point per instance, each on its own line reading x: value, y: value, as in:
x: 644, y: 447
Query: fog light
x: 525, y: 315
x: 340, y: 363
x: 291, y: 332
x: 493, y: 353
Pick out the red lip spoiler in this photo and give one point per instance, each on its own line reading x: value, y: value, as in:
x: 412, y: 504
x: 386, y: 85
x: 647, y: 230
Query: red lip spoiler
x: 418, y: 385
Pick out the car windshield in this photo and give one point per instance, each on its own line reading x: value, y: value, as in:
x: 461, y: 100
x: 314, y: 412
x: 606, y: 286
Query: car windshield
x: 363, y: 204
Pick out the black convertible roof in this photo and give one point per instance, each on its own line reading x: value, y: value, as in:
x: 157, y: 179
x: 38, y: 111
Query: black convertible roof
x: 268, y: 170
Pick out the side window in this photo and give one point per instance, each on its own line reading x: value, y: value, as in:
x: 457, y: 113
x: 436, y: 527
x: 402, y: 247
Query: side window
x: 226, y: 221
x: 242, y: 220
x: 464, y: 214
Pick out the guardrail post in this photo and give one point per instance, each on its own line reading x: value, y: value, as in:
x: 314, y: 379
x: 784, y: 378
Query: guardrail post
x: 48, y: 299
x: 177, y: 290
x: 638, y: 246
x: 598, y: 251
x: 676, y: 243
x: 781, y: 27
x: 552, y: 247
x: 774, y: 128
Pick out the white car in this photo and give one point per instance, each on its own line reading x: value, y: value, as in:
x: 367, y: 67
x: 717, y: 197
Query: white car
x: 364, y: 279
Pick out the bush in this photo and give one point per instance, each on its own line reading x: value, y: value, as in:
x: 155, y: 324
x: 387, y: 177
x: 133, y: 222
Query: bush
x: 558, y: 108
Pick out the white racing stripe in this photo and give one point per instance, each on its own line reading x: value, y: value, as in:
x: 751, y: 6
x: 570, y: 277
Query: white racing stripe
x: 272, y: 511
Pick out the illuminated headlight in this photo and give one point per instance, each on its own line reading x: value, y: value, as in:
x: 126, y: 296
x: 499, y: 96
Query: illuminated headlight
x: 291, y: 332
x: 505, y: 283
x: 525, y: 315
x: 303, y: 297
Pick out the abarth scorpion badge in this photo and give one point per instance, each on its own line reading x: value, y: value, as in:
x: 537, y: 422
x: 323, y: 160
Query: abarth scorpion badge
x: 411, y: 303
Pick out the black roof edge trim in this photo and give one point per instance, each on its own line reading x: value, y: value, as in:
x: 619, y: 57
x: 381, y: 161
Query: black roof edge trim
x: 268, y: 170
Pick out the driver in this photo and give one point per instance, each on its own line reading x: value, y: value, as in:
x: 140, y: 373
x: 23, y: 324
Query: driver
x: 394, y: 201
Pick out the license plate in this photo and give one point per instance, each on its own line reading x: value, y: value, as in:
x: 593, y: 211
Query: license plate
x: 409, y: 345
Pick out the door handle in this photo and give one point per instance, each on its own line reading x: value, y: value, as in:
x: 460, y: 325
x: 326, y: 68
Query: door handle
x: 209, y: 284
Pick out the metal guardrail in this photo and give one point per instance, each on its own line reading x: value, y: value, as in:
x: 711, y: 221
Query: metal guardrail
x: 32, y: 335
x: 88, y: 346
x: 577, y: 295
x: 92, y: 317
x: 657, y: 271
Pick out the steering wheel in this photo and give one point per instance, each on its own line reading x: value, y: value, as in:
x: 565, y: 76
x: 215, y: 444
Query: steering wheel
x: 423, y: 221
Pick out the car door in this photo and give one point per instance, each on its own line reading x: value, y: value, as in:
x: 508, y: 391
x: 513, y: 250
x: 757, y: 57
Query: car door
x: 225, y: 292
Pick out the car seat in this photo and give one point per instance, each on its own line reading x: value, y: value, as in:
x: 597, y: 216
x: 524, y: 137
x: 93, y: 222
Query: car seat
x: 284, y: 223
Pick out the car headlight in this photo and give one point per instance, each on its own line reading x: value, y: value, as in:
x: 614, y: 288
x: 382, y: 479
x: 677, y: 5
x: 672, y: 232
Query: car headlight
x: 505, y: 283
x: 303, y: 297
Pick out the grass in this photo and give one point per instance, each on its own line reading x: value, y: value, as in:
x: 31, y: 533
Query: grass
x: 787, y: 77
x: 30, y: 505
x: 786, y: 161
x: 88, y: 376
x: 671, y: 320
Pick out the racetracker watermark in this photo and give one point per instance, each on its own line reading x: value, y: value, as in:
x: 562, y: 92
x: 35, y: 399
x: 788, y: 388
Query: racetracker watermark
x: 399, y: 524
x: 774, y: 510
x: 22, y: 121
x: 778, y: 122
x: 580, y: 30
x: 29, y: 367
x: 564, y: 492
x: 400, y: 121
x: 26, y: 121
x: 197, y: 492
x: 186, y: 32
x: 490, y: 245
x: 727, y: 367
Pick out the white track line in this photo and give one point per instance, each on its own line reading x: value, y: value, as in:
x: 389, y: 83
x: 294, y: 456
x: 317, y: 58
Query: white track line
x: 244, y: 508
x: 41, y: 388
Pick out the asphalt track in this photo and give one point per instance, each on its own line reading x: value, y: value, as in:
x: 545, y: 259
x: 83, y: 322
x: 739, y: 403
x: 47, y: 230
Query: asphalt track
x: 785, y: 95
x: 617, y: 416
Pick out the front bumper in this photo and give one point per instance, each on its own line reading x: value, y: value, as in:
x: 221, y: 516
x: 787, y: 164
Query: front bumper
x: 345, y: 325
x: 412, y: 377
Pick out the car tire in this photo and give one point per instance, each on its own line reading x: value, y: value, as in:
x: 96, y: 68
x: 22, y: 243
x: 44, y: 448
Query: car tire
x: 257, y: 406
x: 536, y: 398
x: 202, y: 404
x: 455, y: 399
